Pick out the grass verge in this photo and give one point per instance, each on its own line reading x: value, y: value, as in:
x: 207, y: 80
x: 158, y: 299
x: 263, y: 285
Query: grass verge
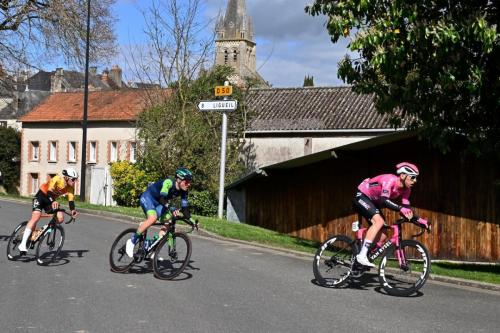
x: 478, y: 272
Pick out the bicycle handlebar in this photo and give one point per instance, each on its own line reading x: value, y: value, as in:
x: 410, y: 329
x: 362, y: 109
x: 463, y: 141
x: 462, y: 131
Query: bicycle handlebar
x: 72, y: 219
x: 194, y: 225
x: 415, y: 221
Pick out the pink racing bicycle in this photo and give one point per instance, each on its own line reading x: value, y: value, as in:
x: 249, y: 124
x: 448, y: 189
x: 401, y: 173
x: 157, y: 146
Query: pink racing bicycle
x: 403, y: 264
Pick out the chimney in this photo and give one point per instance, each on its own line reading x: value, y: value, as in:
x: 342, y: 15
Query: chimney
x: 56, y: 80
x: 105, y: 76
x: 116, y: 75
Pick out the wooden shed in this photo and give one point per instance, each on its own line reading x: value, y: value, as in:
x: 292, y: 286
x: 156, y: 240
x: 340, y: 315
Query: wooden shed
x: 311, y: 197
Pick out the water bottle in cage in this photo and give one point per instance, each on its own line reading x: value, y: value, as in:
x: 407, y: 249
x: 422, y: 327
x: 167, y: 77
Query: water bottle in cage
x: 147, y: 243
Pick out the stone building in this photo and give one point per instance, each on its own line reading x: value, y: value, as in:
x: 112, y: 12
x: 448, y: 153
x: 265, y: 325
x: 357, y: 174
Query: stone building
x: 235, y: 45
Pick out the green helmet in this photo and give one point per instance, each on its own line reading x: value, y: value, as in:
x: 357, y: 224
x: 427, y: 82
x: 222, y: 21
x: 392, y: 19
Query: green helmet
x: 184, y: 174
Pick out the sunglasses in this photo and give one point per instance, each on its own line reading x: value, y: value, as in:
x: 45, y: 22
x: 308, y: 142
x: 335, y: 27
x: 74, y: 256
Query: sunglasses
x: 73, y: 179
x: 413, y: 178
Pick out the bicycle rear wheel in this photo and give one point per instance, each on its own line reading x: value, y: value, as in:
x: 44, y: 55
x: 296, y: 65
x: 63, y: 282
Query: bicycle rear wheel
x: 15, y: 239
x: 118, y: 258
x: 49, y: 245
x: 408, y: 277
x: 333, y: 261
x: 172, y: 255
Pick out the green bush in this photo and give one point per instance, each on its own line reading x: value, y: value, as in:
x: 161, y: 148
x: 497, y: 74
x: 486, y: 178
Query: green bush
x: 129, y: 181
x: 203, y: 203
x: 10, y: 150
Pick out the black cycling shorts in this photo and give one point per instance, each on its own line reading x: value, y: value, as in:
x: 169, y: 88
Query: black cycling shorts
x: 364, y: 206
x: 41, y: 201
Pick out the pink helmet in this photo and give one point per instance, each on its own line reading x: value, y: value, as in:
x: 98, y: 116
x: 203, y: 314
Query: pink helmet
x: 408, y: 168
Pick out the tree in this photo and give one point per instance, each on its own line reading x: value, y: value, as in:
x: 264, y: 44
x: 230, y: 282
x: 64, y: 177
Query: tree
x: 309, y: 81
x: 432, y: 65
x: 192, y: 138
x: 10, y: 151
x: 177, y: 46
x: 34, y: 30
x: 173, y: 131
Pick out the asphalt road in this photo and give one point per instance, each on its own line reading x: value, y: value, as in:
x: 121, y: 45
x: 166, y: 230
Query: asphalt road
x: 228, y: 287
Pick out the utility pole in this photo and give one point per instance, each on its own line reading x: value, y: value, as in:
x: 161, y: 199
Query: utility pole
x: 85, y: 105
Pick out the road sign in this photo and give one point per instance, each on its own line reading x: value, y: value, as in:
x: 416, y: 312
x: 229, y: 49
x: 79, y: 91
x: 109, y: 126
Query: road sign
x: 229, y: 105
x: 223, y: 90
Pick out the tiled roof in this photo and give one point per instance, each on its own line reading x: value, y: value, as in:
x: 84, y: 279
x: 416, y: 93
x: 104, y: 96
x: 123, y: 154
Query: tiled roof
x: 102, y: 106
x: 312, y: 108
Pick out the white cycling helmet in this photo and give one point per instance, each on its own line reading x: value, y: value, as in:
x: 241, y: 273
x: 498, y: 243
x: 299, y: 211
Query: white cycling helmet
x: 407, y: 168
x: 70, y: 172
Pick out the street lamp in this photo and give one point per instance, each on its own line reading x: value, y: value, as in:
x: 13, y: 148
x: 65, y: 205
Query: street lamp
x: 85, y: 105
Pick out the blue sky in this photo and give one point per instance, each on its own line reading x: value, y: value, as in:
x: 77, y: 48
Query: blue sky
x: 290, y: 43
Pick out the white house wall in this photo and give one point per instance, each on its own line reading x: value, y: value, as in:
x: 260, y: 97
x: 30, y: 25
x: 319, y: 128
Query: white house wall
x: 102, y: 132
x: 271, y: 150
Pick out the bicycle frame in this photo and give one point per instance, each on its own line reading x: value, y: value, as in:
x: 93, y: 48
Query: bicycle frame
x: 47, y: 228
x: 170, y: 231
x: 396, y: 239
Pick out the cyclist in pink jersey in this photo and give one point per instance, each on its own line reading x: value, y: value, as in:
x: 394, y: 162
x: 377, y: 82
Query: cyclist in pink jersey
x: 380, y: 191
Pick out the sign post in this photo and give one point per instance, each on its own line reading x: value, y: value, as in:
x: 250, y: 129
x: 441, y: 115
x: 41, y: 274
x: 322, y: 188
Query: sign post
x: 224, y: 106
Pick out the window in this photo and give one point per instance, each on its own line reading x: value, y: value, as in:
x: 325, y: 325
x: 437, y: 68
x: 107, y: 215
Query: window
x: 225, y: 56
x: 92, y: 152
x: 72, y: 151
x: 52, y: 151
x: 3, y: 124
x: 34, y: 184
x: 34, y: 151
x: 235, y: 55
x: 113, y: 151
x: 133, y: 152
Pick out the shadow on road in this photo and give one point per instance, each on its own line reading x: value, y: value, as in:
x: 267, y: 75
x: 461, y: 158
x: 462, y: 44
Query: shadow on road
x: 4, y: 238
x: 365, y: 282
x: 147, y: 267
x: 62, y: 258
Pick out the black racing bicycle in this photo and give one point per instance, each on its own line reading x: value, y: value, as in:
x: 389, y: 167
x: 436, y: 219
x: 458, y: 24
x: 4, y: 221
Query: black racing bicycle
x: 48, y: 240
x: 169, y: 253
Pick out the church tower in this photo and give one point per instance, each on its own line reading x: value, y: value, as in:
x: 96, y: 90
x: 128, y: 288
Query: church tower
x: 234, y: 45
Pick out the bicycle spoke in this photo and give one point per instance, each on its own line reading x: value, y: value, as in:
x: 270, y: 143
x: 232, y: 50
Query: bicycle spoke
x: 333, y: 261
x: 118, y: 258
x: 172, y: 256
x: 49, y: 245
x: 403, y: 273
x: 15, y: 239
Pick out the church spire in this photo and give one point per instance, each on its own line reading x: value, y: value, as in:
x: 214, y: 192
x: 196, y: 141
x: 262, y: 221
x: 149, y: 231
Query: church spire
x: 235, y: 24
x: 234, y: 45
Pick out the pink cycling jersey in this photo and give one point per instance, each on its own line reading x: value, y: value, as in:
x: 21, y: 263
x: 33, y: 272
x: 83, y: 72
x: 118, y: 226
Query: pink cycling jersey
x: 384, y: 186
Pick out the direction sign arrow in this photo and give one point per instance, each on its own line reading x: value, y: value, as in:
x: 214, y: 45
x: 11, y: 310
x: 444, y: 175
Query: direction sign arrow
x: 229, y: 105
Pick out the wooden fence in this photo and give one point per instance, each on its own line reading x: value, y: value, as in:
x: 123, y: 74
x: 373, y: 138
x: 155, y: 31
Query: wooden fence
x: 460, y: 195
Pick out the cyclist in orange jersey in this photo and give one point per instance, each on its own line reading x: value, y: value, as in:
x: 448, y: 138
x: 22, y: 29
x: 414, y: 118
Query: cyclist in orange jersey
x: 46, y: 198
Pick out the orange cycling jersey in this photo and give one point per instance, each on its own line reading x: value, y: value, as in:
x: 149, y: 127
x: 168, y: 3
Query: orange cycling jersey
x: 57, y: 187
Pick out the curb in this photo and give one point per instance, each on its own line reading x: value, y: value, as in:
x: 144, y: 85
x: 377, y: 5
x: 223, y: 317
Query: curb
x: 465, y: 283
x: 207, y: 234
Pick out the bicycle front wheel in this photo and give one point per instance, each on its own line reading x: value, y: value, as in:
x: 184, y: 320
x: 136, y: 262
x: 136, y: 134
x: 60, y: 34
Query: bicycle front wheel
x: 49, y: 245
x: 333, y: 261
x: 403, y: 272
x: 15, y: 239
x: 118, y: 258
x: 172, y: 255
